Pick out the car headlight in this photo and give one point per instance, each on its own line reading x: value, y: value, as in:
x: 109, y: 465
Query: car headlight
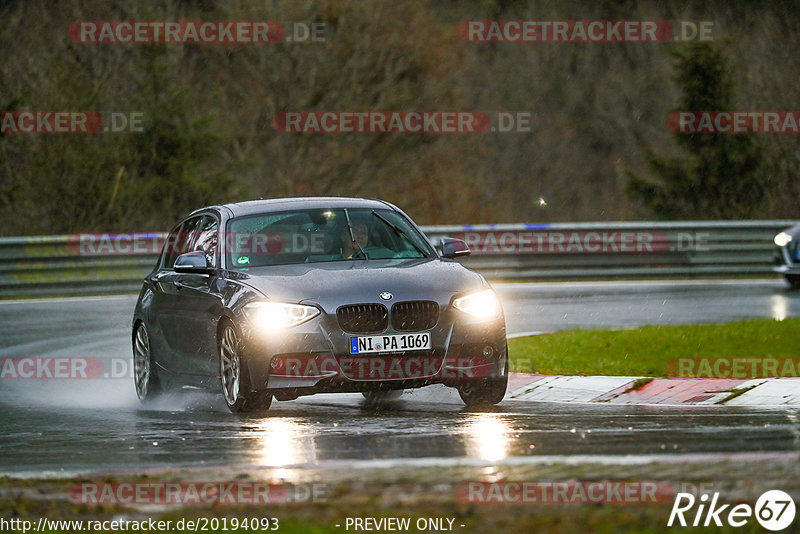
x: 483, y: 304
x: 782, y: 239
x: 277, y: 315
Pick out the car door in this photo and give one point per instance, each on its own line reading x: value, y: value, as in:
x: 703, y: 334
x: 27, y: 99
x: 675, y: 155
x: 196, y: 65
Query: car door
x: 165, y: 323
x: 195, y: 304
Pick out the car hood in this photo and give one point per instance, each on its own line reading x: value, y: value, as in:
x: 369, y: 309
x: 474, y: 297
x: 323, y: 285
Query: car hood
x: 350, y: 282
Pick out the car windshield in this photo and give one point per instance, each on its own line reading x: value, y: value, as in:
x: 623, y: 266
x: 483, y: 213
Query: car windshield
x: 322, y: 235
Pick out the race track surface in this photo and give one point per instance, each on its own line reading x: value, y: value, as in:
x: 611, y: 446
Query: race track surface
x: 64, y: 427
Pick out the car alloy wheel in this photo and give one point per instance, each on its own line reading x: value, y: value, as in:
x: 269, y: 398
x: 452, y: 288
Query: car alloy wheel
x: 230, y: 365
x: 233, y: 378
x: 144, y: 372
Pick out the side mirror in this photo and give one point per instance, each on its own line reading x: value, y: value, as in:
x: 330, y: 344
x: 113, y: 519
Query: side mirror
x: 192, y: 262
x: 454, y: 248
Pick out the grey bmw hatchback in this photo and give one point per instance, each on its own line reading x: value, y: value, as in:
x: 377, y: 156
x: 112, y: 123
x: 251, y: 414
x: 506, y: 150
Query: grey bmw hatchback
x: 274, y: 299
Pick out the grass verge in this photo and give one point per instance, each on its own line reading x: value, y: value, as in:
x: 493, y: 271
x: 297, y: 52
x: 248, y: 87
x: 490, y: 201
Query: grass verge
x: 645, y: 351
x: 416, y: 494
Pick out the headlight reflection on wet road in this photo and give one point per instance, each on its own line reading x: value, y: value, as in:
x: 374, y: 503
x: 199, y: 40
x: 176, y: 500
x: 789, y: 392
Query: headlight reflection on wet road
x: 282, y: 442
x: 488, y: 436
x: 779, y: 306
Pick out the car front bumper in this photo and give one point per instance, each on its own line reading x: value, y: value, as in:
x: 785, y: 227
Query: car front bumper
x: 315, y: 357
x: 786, y: 260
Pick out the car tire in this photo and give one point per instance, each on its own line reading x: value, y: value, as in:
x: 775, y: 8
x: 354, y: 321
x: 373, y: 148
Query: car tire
x: 793, y: 280
x: 234, y: 381
x: 488, y: 391
x: 145, y: 374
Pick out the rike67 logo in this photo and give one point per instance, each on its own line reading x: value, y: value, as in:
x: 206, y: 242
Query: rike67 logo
x: 774, y: 510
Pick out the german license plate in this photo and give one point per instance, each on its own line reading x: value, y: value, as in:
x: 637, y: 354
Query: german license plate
x: 390, y: 343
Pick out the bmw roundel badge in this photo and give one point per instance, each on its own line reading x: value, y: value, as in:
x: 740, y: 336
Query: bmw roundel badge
x: 386, y: 296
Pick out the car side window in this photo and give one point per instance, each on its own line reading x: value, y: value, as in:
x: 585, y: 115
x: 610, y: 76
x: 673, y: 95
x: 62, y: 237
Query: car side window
x: 171, y: 246
x: 204, y: 238
x: 179, y: 241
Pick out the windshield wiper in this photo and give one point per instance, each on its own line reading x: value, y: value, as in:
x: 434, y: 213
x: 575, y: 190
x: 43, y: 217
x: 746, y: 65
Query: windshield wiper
x: 399, y: 231
x: 352, y: 236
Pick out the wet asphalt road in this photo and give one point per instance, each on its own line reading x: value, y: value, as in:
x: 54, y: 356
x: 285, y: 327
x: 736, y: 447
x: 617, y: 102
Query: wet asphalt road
x: 61, y: 427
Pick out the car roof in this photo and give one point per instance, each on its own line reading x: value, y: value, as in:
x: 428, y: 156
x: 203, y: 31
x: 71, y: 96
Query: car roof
x: 251, y: 207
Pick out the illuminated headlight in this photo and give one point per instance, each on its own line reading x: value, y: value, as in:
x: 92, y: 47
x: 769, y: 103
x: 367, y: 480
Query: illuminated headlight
x: 483, y: 304
x: 782, y: 239
x: 277, y: 315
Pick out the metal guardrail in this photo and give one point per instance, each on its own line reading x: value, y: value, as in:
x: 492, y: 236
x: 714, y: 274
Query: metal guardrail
x: 57, y: 265
x: 690, y: 249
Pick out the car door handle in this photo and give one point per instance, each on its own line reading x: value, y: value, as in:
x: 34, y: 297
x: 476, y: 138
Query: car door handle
x: 178, y: 284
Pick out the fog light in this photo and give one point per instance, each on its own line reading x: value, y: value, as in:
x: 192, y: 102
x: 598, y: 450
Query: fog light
x: 488, y: 351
